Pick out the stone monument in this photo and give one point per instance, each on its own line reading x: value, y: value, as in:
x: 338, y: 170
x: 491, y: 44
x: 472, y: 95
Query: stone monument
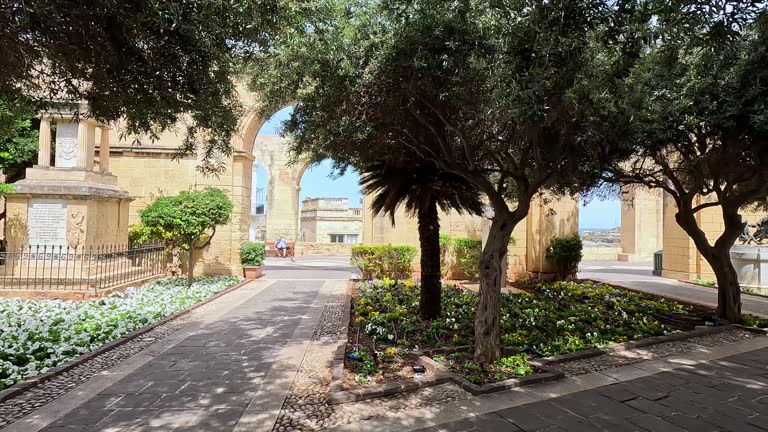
x: 74, y: 203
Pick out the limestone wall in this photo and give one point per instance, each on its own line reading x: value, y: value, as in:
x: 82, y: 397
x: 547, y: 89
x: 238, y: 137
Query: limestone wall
x: 327, y: 249
x: 147, y: 173
x: 595, y: 253
x: 641, y: 224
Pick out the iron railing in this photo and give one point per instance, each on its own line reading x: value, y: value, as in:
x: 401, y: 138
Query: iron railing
x: 65, y: 268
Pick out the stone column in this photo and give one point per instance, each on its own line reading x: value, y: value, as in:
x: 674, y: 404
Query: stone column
x: 104, y: 150
x: 44, y: 140
x: 82, y: 145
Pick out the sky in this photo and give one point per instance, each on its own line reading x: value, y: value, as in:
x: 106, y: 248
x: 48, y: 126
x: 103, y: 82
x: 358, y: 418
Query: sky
x: 316, y: 183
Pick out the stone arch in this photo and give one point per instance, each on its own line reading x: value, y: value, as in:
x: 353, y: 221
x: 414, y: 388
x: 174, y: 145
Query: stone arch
x: 283, y: 186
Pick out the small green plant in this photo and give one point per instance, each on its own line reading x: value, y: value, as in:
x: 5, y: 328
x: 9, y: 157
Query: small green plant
x: 565, y: 253
x: 252, y: 253
x: 705, y: 282
x: 378, y: 262
x: 438, y: 358
x: 517, y: 364
x: 753, y: 321
x: 468, y: 253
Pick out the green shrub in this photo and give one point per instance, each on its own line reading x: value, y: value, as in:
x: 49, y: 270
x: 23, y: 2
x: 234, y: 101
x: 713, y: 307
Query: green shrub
x: 378, y: 262
x: 565, y: 253
x: 468, y: 252
x: 446, y: 254
x: 252, y: 253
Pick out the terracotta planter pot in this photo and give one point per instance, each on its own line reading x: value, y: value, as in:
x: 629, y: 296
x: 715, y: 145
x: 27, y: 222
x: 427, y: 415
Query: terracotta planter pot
x: 252, y: 272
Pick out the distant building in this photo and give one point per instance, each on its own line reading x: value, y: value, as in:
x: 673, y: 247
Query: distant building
x: 257, y: 227
x: 330, y: 220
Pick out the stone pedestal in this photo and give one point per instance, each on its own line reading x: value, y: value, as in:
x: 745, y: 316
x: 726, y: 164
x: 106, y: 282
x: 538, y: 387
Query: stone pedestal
x: 751, y: 264
x: 67, y: 207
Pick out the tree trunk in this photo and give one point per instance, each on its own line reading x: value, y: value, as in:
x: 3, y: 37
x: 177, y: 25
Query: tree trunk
x: 487, y: 314
x: 718, y: 257
x: 429, y: 239
x: 728, y: 288
x: 191, y: 265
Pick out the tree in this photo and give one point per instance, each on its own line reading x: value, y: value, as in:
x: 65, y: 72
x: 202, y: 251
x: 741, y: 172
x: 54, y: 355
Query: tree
x: 182, y: 221
x: 508, y: 95
x: 422, y: 189
x: 148, y: 63
x: 18, y: 138
x: 702, y: 132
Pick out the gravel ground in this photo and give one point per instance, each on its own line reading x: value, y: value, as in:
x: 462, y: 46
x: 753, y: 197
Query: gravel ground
x: 607, y: 361
x: 18, y: 407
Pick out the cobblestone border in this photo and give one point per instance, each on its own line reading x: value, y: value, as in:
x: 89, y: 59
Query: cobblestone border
x: 22, y: 386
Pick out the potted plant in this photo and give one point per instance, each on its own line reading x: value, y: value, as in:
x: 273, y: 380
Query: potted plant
x: 252, y: 258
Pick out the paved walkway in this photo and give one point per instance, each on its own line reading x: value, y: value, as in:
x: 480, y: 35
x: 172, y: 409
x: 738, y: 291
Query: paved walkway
x: 730, y: 394
x: 230, y: 371
x: 638, y: 276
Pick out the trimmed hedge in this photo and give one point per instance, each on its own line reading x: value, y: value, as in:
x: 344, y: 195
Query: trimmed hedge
x: 378, y: 262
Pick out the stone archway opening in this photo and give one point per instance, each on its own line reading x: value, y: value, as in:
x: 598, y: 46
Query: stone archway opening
x: 277, y: 192
x: 627, y: 225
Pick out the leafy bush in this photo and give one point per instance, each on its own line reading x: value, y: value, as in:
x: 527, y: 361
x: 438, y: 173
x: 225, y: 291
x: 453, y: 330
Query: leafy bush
x: 37, y: 335
x: 754, y: 321
x: 468, y: 253
x: 376, y: 262
x: 252, y: 253
x: 558, y: 318
x: 565, y: 253
x: 446, y: 254
x: 183, y: 221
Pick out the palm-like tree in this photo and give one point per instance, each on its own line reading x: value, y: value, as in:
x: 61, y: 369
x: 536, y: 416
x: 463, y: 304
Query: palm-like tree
x: 422, y: 189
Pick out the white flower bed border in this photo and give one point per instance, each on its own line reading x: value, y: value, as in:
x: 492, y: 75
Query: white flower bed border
x: 172, y: 303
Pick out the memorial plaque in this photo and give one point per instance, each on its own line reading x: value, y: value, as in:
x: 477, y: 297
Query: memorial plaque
x: 47, y: 222
x: 66, y: 144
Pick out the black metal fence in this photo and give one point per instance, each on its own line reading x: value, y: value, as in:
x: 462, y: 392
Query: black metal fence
x: 64, y: 268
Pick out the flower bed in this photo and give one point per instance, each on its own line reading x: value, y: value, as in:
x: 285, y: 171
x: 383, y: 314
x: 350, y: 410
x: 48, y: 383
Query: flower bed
x: 508, y: 367
x: 550, y: 319
x: 36, y: 335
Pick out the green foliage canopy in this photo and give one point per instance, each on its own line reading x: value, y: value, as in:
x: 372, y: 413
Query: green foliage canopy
x: 148, y: 62
x: 700, y: 132
x: 18, y: 138
x: 185, y: 218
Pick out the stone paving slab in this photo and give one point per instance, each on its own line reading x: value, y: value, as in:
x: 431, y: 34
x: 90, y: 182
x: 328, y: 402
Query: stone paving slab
x: 206, y: 378
x: 711, y: 368
x: 716, y: 396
